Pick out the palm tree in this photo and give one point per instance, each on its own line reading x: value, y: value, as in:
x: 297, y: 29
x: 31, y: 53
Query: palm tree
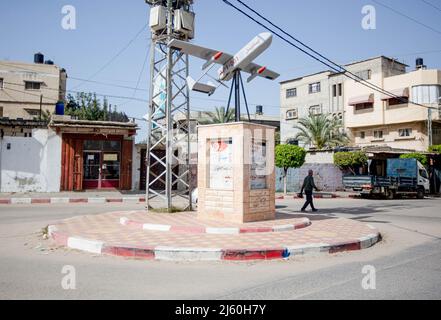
x: 219, y: 116
x: 321, y: 131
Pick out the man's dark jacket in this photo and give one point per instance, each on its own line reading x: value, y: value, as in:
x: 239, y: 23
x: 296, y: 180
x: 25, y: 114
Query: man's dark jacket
x: 308, y: 185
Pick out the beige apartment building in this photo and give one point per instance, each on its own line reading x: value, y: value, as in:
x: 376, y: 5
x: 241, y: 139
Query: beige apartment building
x: 25, y: 87
x: 370, y: 117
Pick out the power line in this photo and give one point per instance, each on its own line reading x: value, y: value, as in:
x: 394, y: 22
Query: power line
x: 106, y: 84
x: 334, y: 66
x: 37, y: 95
x: 340, y: 67
x: 407, y: 17
x: 432, y: 5
x: 115, y: 56
x: 73, y: 91
x: 141, y: 71
x: 129, y: 88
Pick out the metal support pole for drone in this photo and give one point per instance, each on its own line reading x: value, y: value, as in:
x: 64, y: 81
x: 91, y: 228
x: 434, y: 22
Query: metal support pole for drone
x: 237, y: 86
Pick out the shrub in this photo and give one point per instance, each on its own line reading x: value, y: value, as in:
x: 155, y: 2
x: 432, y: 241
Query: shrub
x: 350, y: 160
x: 419, y: 156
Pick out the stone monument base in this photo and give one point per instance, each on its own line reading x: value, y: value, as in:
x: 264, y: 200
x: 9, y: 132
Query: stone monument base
x: 236, y: 176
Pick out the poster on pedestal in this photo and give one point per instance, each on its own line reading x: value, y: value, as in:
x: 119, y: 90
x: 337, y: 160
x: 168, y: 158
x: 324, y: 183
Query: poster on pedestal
x: 221, y: 164
x: 258, y: 165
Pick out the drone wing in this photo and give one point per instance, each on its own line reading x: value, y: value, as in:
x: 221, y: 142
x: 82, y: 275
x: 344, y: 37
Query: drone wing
x: 259, y: 71
x: 209, y: 55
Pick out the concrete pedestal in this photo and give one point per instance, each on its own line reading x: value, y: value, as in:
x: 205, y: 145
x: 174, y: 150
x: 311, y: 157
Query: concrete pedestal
x: 236, y: 173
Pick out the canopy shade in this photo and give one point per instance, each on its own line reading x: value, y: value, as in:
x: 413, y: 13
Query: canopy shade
x: 368, y: 98
x: 402, y: 93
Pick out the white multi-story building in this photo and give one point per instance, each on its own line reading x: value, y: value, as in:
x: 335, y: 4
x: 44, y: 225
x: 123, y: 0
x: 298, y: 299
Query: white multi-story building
x: 369, y: 117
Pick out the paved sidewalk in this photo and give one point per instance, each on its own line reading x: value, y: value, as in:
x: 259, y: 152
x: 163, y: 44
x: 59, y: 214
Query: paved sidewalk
x: 71, y: 197
x: 319, y: 195
x: 116, y: 196
x: 104, y: 234
x: 73, y: 194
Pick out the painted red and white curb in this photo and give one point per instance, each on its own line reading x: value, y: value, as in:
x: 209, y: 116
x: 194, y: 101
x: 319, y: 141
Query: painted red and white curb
x: 90, y: 200
x: 303, y: 223
x: 210, y: 254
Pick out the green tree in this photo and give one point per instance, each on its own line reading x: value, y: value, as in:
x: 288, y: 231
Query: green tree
x: 321, y: 131
x: 86, y: 106
x: 350, y: 160
x: 416, y: 155
x: 289, y: 156
x: 219, y: 115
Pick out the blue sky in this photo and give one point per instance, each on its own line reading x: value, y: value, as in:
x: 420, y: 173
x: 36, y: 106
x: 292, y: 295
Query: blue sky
x: 106, y: 26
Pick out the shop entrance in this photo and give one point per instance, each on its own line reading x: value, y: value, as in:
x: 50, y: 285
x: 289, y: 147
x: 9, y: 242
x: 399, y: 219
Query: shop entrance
x: 101, y: 164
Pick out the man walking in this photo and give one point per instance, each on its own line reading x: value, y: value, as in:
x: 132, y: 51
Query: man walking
x: 309, y: 186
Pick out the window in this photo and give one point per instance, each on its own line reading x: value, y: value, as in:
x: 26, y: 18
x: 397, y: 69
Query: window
x: 314, y: 87
x: 423, y: 173
x: 337, y: 90
x: 32, y: 85
x: 1, y: 112
x: 291, y: 114
x: 334, y: 90
x: 33, y: 112
x: 378, y: 134
x: 290, y: 93
x: 340, y: 90
x: 292, y: 141
x: 426, y: 94
x: 405, y: 132
x: 365, y: 74
x: 398, y: 101
x: 1, y: 83
x: 315, y: 110
x: 362, y: 135
x: 364, y: 106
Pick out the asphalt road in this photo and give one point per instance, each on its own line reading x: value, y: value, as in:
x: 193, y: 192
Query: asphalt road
x: 407, y: 262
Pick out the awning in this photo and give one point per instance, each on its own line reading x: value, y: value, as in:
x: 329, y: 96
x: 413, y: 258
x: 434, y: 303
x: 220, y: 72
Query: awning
x: 402, y: 93
x: 369, y: 98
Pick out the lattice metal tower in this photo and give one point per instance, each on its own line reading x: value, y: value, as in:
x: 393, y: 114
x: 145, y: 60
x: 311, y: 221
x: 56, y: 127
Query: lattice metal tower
x: 168, y: 181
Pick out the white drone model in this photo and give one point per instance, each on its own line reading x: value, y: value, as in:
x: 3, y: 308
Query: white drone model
x: 230, y: 65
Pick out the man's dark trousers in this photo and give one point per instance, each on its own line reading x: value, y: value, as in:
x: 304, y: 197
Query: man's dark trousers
x: 309, y: 201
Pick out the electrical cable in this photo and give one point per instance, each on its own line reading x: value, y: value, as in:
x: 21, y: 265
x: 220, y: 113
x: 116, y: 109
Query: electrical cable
x: 340, y: 69
x: 115, y: 56
x: 406, y: 16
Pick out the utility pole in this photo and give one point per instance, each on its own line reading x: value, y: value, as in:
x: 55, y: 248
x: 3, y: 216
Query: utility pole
x: 41, y: 104
x: 168, y: 174
x: 429, y: 126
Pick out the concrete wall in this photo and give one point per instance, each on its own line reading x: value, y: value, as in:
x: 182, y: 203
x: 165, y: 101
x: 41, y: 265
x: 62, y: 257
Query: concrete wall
x: 319, y: 157
x: 32, y: 164
x: 327, y: 177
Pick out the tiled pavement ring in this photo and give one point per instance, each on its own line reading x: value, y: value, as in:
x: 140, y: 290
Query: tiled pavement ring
x: 188, y: 223
x: 103, y: 234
